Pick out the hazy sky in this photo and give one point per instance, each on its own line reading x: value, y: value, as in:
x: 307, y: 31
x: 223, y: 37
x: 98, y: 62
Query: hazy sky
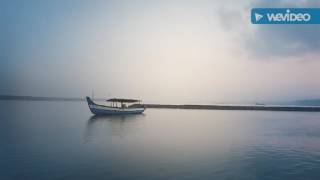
x: 168, y: 51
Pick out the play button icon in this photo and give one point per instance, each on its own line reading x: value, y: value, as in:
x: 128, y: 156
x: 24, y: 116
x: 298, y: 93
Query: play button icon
x: 258, y: 17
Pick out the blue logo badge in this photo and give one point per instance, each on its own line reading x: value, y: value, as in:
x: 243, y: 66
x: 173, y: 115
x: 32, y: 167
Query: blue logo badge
x: 285, y: 16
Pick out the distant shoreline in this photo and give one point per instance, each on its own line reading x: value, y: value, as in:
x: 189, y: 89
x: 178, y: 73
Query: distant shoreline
x: 38, y: 98
x: 238, y: 107
x: 170, y: 106
x: 42, y: 98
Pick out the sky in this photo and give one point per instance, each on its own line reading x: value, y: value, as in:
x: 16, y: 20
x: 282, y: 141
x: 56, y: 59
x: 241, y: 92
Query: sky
x: 169, y: 51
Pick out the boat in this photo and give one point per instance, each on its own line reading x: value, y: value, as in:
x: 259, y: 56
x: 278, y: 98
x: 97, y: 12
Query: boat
x: 114, y: 109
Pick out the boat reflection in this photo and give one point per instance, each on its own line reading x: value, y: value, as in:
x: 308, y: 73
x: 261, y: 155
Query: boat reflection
x: 117, y: 118
x: 115, y: 125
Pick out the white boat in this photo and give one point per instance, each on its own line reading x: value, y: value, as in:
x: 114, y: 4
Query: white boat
x: 113, y: 109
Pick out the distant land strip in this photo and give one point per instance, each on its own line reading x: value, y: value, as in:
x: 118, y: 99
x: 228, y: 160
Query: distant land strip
x: 235, y: 107
x: 39, y: 98
x: 170, y: 106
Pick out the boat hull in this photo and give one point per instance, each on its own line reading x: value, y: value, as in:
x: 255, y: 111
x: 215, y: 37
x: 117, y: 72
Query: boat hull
x: 106, y: 110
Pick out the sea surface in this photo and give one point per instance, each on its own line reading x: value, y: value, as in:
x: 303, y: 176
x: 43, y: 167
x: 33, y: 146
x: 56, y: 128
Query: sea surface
x: 62, y: 140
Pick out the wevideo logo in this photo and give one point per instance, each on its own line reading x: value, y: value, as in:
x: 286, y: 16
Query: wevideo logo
x: 285, y: 16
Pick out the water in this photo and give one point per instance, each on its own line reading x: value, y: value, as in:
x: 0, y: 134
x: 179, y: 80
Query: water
x: 61, y: 140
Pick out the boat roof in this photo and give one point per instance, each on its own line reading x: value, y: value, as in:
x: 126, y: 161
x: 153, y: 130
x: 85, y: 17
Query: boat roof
x: 123, y: 100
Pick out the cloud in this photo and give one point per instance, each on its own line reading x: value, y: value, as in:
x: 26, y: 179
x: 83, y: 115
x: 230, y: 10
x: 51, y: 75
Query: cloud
x: 284, y: 40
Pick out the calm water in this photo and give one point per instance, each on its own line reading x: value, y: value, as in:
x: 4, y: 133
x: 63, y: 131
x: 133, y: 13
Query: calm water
x: 61, y: 140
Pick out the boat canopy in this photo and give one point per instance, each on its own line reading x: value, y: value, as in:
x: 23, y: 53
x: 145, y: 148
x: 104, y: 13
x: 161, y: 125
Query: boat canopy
x: 123, y: 100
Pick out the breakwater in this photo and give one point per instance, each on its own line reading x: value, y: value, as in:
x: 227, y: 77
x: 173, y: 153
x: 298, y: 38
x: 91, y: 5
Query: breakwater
x: 238, y: 107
